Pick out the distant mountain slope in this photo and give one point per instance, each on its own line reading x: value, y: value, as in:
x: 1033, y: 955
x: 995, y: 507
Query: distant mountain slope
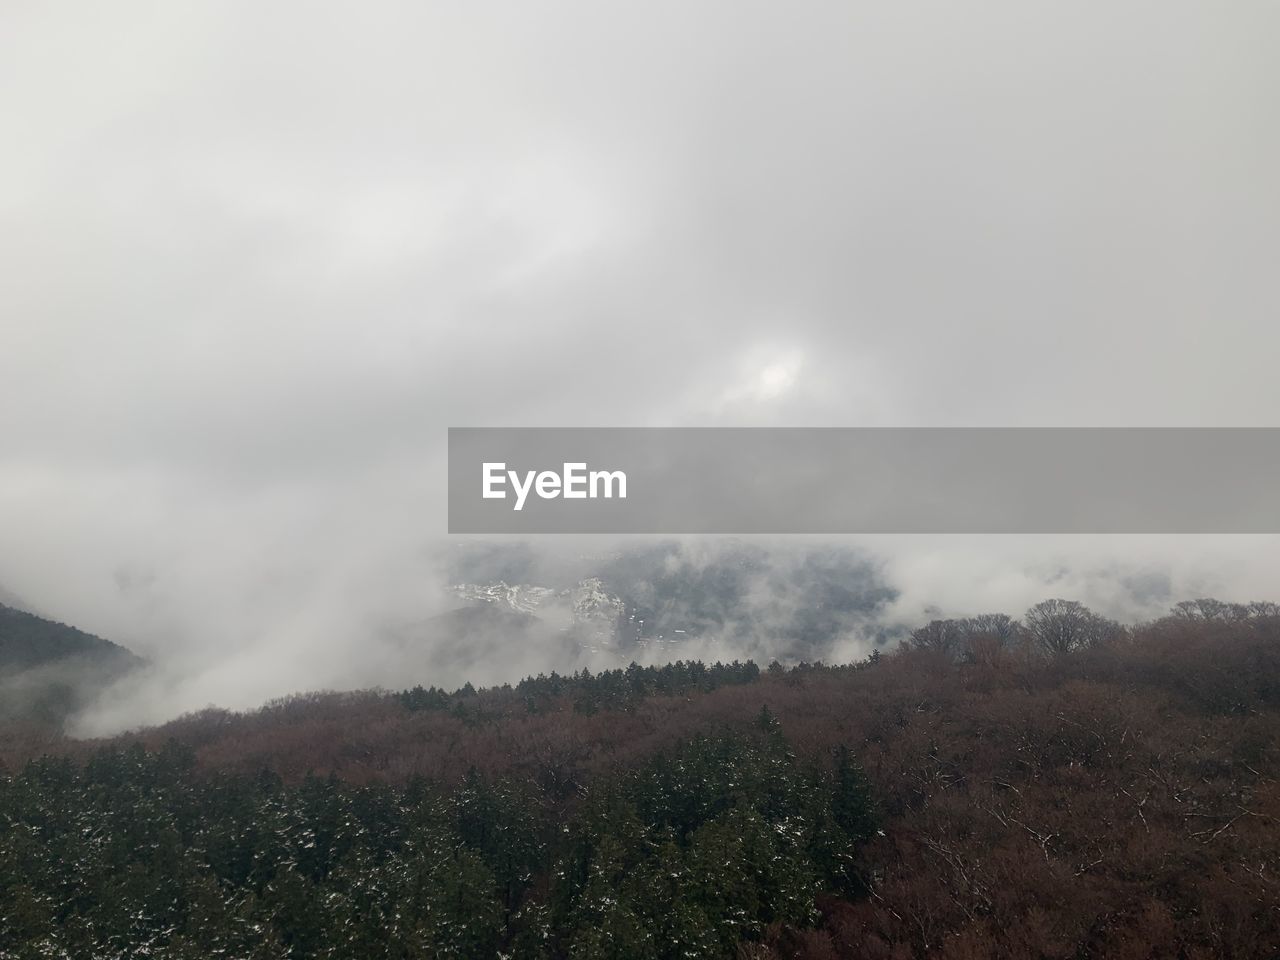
x: 49, y: 670
x: 28, y: 641
x: 765, y: 601
x: 788, y: 603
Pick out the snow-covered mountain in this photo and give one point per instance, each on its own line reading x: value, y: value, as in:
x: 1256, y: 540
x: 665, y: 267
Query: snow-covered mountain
x: 520, y: 597
x: 655, y: 601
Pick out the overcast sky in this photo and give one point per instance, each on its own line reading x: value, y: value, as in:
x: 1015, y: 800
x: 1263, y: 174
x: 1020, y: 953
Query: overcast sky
x: 257, y: 257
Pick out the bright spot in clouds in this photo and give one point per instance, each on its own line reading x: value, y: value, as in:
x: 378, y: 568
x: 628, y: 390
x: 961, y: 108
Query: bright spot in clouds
x: 764, y: 376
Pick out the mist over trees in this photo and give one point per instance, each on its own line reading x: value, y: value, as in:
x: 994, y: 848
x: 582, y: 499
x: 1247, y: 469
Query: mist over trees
x: 982, y: 791
x: 50, y: 671
x: 763, y: 600
x: 793, y: 603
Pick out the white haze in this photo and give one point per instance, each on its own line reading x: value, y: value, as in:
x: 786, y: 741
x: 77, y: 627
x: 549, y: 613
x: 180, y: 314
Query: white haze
x: 259, y: 257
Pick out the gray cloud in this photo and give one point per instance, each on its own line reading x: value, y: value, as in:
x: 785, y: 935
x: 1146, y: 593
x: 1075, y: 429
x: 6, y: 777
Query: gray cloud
x: 258, y: 258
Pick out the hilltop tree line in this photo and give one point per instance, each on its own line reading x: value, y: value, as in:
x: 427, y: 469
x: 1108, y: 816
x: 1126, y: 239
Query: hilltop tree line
x: 1058, y: 627
x: 607, y: 689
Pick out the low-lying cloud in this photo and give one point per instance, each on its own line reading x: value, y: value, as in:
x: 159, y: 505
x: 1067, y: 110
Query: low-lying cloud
x: 258, y: 259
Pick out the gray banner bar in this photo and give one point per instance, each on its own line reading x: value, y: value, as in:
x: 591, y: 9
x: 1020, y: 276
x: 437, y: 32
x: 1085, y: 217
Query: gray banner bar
x: 864, y: 480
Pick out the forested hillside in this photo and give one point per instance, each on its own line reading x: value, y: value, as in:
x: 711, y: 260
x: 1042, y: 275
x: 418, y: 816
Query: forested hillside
x: 1056, y: 786
x: 49, y: 670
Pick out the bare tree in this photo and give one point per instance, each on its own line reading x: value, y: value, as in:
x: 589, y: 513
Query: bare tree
x: 940, y: 636
x: 1263, y: 609
x: 988, y: 635
x: 1207, y: 608
x: 969, y: 639
x: 1060, y: 627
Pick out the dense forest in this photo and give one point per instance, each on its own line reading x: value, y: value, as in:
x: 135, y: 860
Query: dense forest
x: 1058, y: 786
